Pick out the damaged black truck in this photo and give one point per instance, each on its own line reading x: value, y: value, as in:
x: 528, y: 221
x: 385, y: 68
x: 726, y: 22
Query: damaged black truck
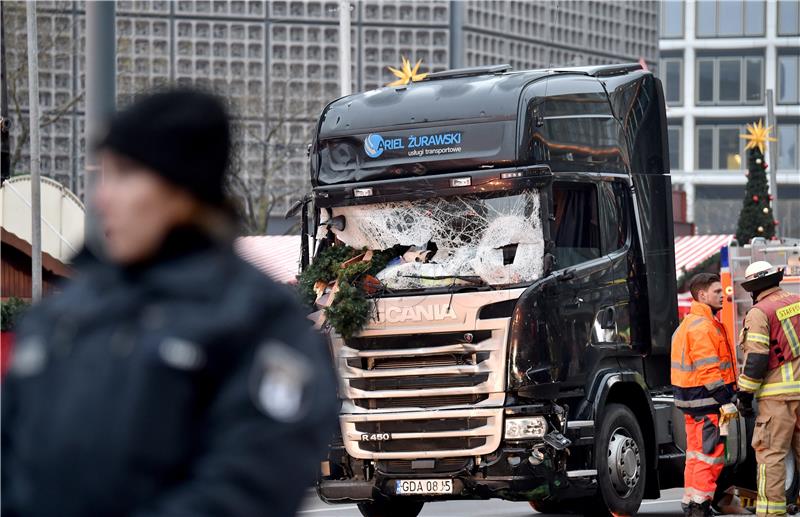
x: 518, y: 346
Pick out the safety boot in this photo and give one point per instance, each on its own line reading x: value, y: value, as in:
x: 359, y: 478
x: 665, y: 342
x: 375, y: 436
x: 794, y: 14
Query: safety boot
x: 697, y: 510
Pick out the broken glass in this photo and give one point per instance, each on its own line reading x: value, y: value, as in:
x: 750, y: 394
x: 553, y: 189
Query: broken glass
x: 496, y: 237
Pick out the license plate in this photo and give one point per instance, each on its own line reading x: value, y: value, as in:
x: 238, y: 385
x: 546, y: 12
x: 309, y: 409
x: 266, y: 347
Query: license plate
x: 423, y: 486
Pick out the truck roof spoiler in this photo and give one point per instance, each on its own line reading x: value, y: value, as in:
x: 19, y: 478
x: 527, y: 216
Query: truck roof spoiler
x: 468, y: 72
x: 593, y: 71
x: 604, y: 70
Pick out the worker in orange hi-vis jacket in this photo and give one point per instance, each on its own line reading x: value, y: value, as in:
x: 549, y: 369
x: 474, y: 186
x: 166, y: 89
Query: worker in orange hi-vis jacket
x: 771, y: 373
x: 704, y: 383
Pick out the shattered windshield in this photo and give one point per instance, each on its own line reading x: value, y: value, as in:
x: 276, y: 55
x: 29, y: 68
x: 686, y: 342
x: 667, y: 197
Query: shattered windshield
x: 494, y: 238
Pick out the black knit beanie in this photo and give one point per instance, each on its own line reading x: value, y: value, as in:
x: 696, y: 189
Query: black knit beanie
x: 183, y: 135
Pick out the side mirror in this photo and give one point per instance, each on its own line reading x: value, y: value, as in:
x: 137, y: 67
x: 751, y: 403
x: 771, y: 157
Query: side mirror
x: 604, y: 329
x: 607, y: 318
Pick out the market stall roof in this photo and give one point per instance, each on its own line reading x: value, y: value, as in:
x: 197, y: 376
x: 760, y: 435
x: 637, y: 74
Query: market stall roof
x: 693, y: 250
x: 279, y: 255
x: 276, y: 255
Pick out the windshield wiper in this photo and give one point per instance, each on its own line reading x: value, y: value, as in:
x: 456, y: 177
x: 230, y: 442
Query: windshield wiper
x: 475, y: 280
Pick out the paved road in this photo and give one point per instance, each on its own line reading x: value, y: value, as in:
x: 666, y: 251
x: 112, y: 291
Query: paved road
x: 668, y: 505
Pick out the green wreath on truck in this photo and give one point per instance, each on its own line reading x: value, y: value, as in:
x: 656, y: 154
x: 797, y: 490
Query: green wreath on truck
x: 353, y: 280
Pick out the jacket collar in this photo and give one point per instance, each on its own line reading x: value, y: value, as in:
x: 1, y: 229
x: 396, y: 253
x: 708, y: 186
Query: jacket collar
x: 766, y: 292
x: 186, y: 257
x: 701, y: 309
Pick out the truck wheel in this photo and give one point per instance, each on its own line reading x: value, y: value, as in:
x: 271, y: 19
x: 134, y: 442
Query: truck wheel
x: 621, y: 461
x: 394, y: 507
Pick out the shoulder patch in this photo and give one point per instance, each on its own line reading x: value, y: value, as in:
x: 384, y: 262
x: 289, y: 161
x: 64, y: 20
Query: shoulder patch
x: 181, y: 354
x: 789, y: 311
x: 280, y: 381
x: 29, y: 357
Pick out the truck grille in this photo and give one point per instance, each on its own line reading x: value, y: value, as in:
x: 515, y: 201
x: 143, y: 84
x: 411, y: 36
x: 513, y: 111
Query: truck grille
x: 394, y: 376
x: 420, y: 402
x: 430, y: 361
x: 454, y: 433
x: 431, y: 381
x: 452, y: 444
x: 428, y: 424
x: 423, y: 466
x: 417, y: 340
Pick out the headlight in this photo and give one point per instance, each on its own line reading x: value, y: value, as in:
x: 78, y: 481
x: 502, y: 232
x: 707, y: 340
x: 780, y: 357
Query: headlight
x: 524, y: 428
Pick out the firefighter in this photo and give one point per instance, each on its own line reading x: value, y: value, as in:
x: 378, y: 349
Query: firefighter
x: 771, y: 373
x: 704, y: 380
x: 169, y: 378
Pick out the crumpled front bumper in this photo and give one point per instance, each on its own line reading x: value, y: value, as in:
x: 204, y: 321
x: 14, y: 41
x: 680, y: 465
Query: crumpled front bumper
x: 506, y: 474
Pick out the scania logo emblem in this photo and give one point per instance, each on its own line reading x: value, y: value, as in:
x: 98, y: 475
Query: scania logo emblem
x: 437, y: 312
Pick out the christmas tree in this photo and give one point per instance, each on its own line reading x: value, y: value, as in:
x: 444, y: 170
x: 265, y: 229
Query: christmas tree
x: 756, y: 218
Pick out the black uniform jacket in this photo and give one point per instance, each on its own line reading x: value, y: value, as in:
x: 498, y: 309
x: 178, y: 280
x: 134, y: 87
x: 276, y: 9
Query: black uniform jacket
x: 189, y: 386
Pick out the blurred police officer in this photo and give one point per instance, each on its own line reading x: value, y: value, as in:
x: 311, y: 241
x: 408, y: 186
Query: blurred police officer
x: 171, y: 379
x: 771, y: 372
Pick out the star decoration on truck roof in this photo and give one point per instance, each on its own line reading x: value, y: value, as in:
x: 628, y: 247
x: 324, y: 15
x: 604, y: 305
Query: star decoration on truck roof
x: 406, y: 74
x: 758, y: 136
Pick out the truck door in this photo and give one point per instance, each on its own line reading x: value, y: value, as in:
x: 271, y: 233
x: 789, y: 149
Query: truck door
x: 612, y: 324
x: 585, y: 292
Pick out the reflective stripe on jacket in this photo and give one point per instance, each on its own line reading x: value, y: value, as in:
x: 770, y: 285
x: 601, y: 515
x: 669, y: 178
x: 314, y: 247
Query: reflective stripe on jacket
x: 703, y: 363
x: 770, y: 340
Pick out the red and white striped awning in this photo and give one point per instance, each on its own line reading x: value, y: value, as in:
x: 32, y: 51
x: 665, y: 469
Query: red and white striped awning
x: 691, y: 251
x: 279, y: 255
x: 276, y: 255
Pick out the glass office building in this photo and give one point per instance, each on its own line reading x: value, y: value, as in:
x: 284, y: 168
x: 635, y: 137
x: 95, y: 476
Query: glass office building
x: 717, y: 60
x: 278, y: 62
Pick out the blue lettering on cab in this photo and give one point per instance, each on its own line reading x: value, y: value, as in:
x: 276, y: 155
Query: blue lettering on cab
x: 393, y: 144
x: 375, y: 144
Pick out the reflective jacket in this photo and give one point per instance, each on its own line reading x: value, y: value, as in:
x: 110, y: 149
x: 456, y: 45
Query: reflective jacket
x: 703, y: 363
x: 771, y: 346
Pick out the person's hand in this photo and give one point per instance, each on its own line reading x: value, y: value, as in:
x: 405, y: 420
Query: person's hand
x: 727, y: 413
x: 744, y: 401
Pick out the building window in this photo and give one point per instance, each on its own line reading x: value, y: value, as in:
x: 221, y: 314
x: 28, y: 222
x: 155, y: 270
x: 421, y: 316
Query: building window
x: 674, y: 138
x: 729, y: 153
x: 719, y: 147
x: 788, y: 79
x: 730, y: 80
x: 788, y: 18
x: 671, y: 74
x: 705, y: 80
x: 716, y: 208
x: 672, y: 18
x: 753, y: 69
x: 788, y: 146
x: 730, y: 18
x: 788, y: 209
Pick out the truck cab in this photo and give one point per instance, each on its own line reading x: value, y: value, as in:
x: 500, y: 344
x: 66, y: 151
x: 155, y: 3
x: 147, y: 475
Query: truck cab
x: 518, y: 345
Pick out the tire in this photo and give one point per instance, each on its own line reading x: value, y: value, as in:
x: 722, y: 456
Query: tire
x: 394, y: 507
x: 621, y: 462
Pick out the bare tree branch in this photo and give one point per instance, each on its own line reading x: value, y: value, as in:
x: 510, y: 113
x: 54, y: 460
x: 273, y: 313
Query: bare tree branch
x: 17, y: 46
x: 55, y: 115
x: 255, y: 191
